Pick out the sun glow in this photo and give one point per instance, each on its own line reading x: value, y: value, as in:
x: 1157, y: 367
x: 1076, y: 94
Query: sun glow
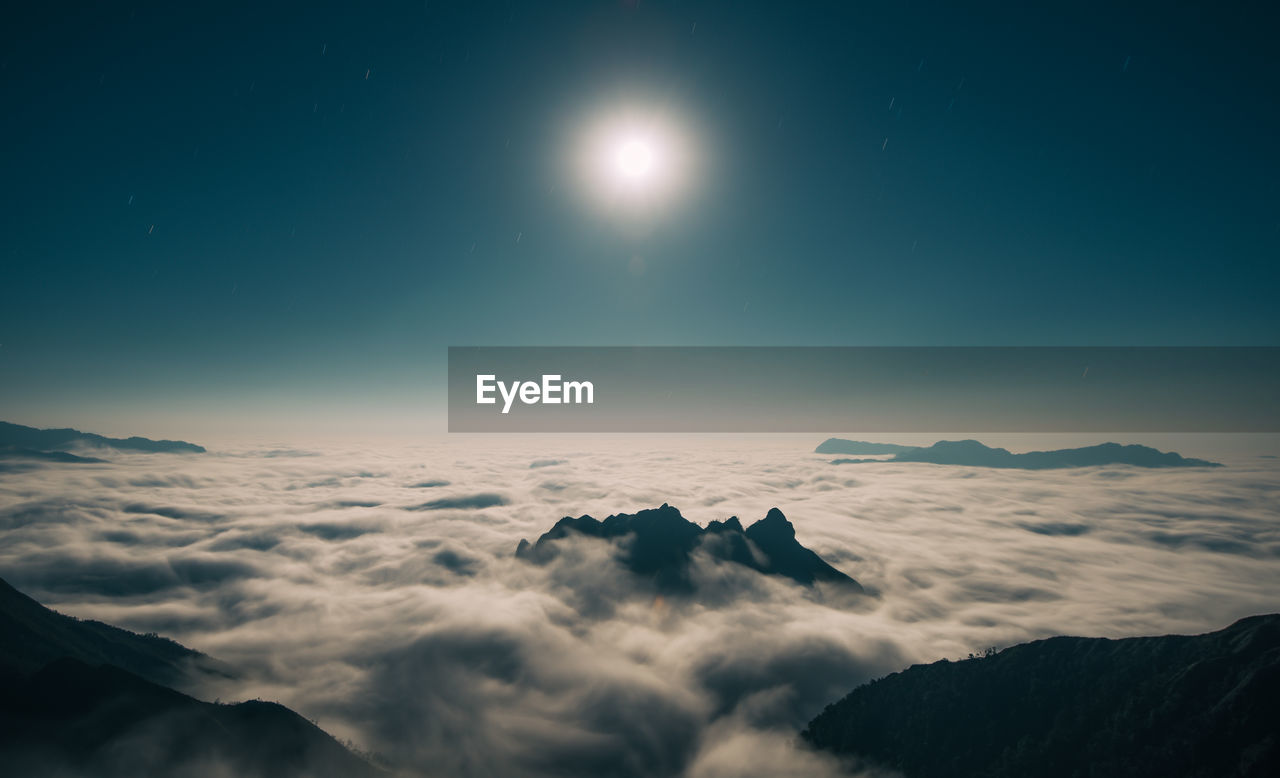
x: 635, y: 159
x: 632, y: 163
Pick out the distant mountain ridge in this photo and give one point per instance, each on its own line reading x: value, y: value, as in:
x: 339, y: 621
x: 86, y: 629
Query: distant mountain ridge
x: 859, y: 447
x: 971, y: 453
x: 82, y: 698
x: 659, y: 543
x: 47, y: 456
x: 17, y: 436
x: 1154, y: 707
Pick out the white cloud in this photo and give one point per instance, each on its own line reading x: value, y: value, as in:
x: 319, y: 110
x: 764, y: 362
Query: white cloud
x: 417, y: 634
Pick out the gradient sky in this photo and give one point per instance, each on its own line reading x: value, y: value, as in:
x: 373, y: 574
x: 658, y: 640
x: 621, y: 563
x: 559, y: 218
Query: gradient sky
x: 225, y: 212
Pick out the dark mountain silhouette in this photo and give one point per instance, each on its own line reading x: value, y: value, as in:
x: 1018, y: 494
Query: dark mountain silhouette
x: 842, y: 446
x: 74, y: 718
x: 20, y: 437
x: 32, y: 635
x: 974, y: 454
x: 1173, y: 706
x: 46, y: 456
x: 657, y: 543
x: 68, y: 707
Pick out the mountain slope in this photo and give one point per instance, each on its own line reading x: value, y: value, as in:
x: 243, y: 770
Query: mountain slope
x: 1204, y: 705
x: 971, y: 453
x: 71, y: 718
x: 658, y: 544
x: 32, y: 635
x: 18, y: 436
x: 86, y: 698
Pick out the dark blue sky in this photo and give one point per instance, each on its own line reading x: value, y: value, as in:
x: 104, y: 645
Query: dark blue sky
x: 339, y: 192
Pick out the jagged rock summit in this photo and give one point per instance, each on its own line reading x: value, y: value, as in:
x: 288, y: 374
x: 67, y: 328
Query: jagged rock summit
x: 658, y: 543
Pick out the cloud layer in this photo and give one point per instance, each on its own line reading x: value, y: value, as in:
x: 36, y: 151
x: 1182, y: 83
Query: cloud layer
x: 376, y: 591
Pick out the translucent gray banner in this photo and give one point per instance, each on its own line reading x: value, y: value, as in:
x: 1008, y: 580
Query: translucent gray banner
x: 867, y: 389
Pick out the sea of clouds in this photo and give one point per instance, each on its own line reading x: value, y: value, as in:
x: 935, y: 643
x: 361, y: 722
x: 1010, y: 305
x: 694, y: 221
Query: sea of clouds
x: 374, y: 589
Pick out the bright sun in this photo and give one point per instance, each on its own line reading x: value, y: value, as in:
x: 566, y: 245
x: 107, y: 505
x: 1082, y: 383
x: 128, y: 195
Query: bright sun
x: 635, y: 159
x: 632, y: 163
